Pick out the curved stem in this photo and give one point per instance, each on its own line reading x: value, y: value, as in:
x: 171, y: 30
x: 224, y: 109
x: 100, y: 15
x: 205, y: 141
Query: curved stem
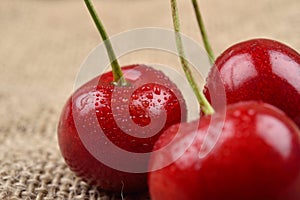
x: 204, y: 104
x: 203, y: 32
x: 116, y: 69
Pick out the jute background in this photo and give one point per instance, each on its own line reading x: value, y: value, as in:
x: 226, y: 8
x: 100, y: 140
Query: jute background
x: 43, y: 43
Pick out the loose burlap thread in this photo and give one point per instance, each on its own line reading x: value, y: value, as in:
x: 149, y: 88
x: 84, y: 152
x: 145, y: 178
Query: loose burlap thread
x: 43, y: 43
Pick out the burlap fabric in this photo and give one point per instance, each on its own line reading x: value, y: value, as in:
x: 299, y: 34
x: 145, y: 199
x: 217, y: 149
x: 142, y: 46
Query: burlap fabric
x: 43, y: 43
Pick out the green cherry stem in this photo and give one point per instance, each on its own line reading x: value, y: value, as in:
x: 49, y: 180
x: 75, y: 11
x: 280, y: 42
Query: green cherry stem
x: 116, y: 69
x: 203, y: 33
x: 204, y: 104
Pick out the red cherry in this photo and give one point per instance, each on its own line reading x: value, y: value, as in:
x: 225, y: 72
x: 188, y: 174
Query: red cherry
x: 256, y: 156
x: 108, y: 127
x: 100, y: 112
x: 259, y: 69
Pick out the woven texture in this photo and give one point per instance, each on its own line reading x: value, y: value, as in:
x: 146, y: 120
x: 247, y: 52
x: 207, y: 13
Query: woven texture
x: 43, y: 43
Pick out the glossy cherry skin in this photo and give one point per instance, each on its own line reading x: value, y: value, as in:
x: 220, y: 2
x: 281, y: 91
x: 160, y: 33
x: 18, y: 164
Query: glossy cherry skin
x: 256, y: 156
x: 259, y: 69
x: 100, y: 107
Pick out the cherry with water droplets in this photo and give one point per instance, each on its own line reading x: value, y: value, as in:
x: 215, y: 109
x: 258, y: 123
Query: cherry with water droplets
x: 259, y: 69
x: 120, y: 112
x: 255, y: 156
x: 90, y: 113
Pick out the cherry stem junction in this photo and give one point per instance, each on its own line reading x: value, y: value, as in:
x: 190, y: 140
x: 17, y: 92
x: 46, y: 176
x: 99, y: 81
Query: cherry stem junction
x: 203, y: 32
x: 116, y: 69
x: 204, y: 104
